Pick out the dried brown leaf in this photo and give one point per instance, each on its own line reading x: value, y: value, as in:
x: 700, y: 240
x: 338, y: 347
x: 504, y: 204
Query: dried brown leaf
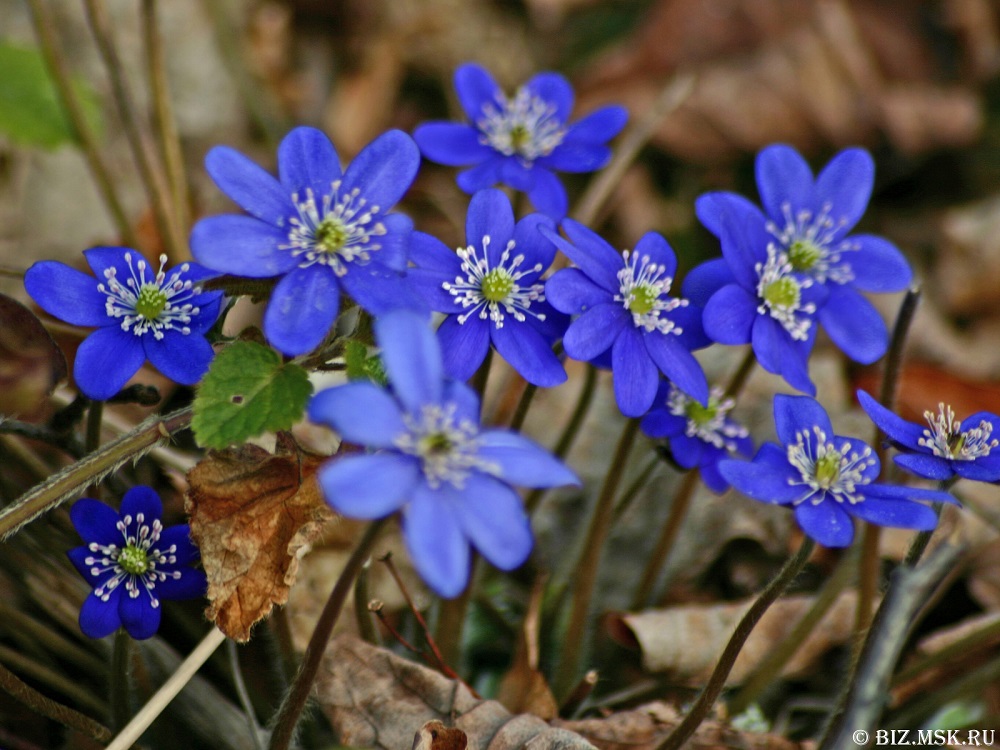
x: 31, y: 364
x: 524, y: 688
x: 374, y: 698
x: 251, y: 513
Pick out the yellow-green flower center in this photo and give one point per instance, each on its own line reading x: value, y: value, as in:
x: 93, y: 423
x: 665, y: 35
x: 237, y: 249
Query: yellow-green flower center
x: 133, y: 560
x: 803, y: 254
x: 331, y: 235
x: 497, y: 285
x: 150, y: 301
x: 828, y: 469
x: 642, y: 299
x: 701, y: 415
x: 436, y: 444
x: 520, y: 136
x: 783, y: 292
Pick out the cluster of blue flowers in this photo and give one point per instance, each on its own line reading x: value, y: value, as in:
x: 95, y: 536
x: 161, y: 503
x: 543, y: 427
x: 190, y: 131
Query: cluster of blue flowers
x: 320, y: 231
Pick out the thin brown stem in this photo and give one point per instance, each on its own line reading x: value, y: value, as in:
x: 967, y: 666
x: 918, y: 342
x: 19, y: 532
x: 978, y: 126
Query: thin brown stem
x: 11, y: 684
x: 521, y: 412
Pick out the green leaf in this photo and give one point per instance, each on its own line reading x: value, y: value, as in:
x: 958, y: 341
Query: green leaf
x: 362, y: 367
x: 248, y: 391
x: 30, y: 112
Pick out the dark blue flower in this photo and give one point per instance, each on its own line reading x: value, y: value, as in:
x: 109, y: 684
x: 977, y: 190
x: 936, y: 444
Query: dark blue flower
x: 795, y: 261
x: 946, y: 447
x: 828, y: 479
x: 492, y: 293
x: 133, y: 563
x: 624, y: 305
x: 700, y: 436
x: 139, y: 315
x: 323, y: 230
x: 520, y: 141
x: 433, y: 462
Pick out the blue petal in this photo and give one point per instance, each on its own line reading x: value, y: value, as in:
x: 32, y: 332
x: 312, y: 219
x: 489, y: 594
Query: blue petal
x: 536, y: 248
x: 370, y: 486
x: 384, y: 170
x: 492, y: 517
x: 394, y: 246
x: 99, y: 619
x: 362, y: 412
x: 716, y: 209
x: 106, y: 360
x: 241, y: 245
x: 660, y: 423
x: 899, y: 492
x: 846, y: 185
x: 475, y: 88
x: 827, y: 523
x: 451, y: 143
x: 595, y: 331
x: 463, y: 398
x: 571, y: 291
x: 548, y: 195
x: 896, y: 428
x: 429, y: 285
x: 794, y: 414
x: 79, y: 555
x: 658, y: 250
x: 744, y: 243
x: 729, y: 315
x: 66, y: 293
x: 678, y: 364
x: 635, y: 375
x: 897, y: 513
x: 590, y: 253
x: 427, y: 251
x: 575, y: 157
x: 522, y: 461
x: 252, y: 188
x: 526, y: 351
x: 689, y: 330
x: 180, y: 535
x: 776, y: 352
x: 191, y: 585
x: 435, y: 540
x: 124, y: 260
x: 687, y: 451
x: 706, y: 279
x: 209, y: 306
x: 183, y: 359
x: 768, y: 477
x: 878, y: 265
x: 141, y: 500
x: 553, y: 88
x: 463, y: 345
x: 139, y: 617
x: 785, y: 182
x: 489, y: 215
x: 302, y: 309
x: 924, y: 465
x: 308, y: 161
x: 600, y: 126
x: 514, y: 173
x: 712, y: 478
x: 379, y: 290
x: 95, y: 522
x: 480, y: 177
x: 854, y: 325
x: 980, y: 470
x: 412, y: 358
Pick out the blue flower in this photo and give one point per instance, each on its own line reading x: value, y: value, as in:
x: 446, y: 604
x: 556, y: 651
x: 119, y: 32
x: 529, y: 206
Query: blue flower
x: 519, y: 141
x: 795, y: 263
x: 624, y: 305
x: 946, y: 447
x: 828, y: 479
x: 700, y: 436
x: 321, y: 229
x: 492, y: 293
x: 139, y: 315
x: 432, y: 461
x: 133, y: 563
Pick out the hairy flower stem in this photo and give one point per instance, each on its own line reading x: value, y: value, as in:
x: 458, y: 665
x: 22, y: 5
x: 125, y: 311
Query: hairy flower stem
x: 68, y: 482
x: 95, y: 419
x: 585, y: 577
x: 121, y: 655
x: 921, y: 540
x: 521, y: 412
x: 481, y: 377
x: 13, y: 686
x: 739, y: 377
x: 678, y: 510
x: 295, y: 701
x: 717, y: 681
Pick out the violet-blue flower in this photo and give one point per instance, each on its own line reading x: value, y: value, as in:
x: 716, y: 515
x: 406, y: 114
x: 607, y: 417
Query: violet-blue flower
x: 700, y: 436
x: 828, y: 479
x: 450, y: 478
x: 520, y: 141
x: 323, y: 230
x: 133, y: 563
x: 624, y: 305
x: 491, y: 292
x: 140, y: 314
x: 946, y: 447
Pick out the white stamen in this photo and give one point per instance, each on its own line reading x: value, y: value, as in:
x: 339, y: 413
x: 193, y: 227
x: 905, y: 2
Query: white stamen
x: 946, y: 439
x: 647, y: 284
x: 793, y: 316
x: 826, y: 470
x: 815, y: 236
x: 447, y: 447
x: 714, y: 428
x: 525, y: 125
x: 171, y: 291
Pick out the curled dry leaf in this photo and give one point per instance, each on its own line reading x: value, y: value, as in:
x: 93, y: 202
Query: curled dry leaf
x: 30, y: 361
x: 376, y: 699
x: 251, y: 513
x: 686, y: 641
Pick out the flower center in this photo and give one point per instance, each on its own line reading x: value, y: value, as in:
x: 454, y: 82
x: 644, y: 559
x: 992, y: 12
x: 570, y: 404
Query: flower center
x: 447, y: 447
x: 828, y: 471
x: 156, y: 304
x: 780, y: 294
x: 643, y: 289
x: 708, y: 423
x: 496, y: 292
x: 946, y: 439
x: 336, y: 231
x: 525, y: 126
x: 812, y: 244
x: 133, y: 560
